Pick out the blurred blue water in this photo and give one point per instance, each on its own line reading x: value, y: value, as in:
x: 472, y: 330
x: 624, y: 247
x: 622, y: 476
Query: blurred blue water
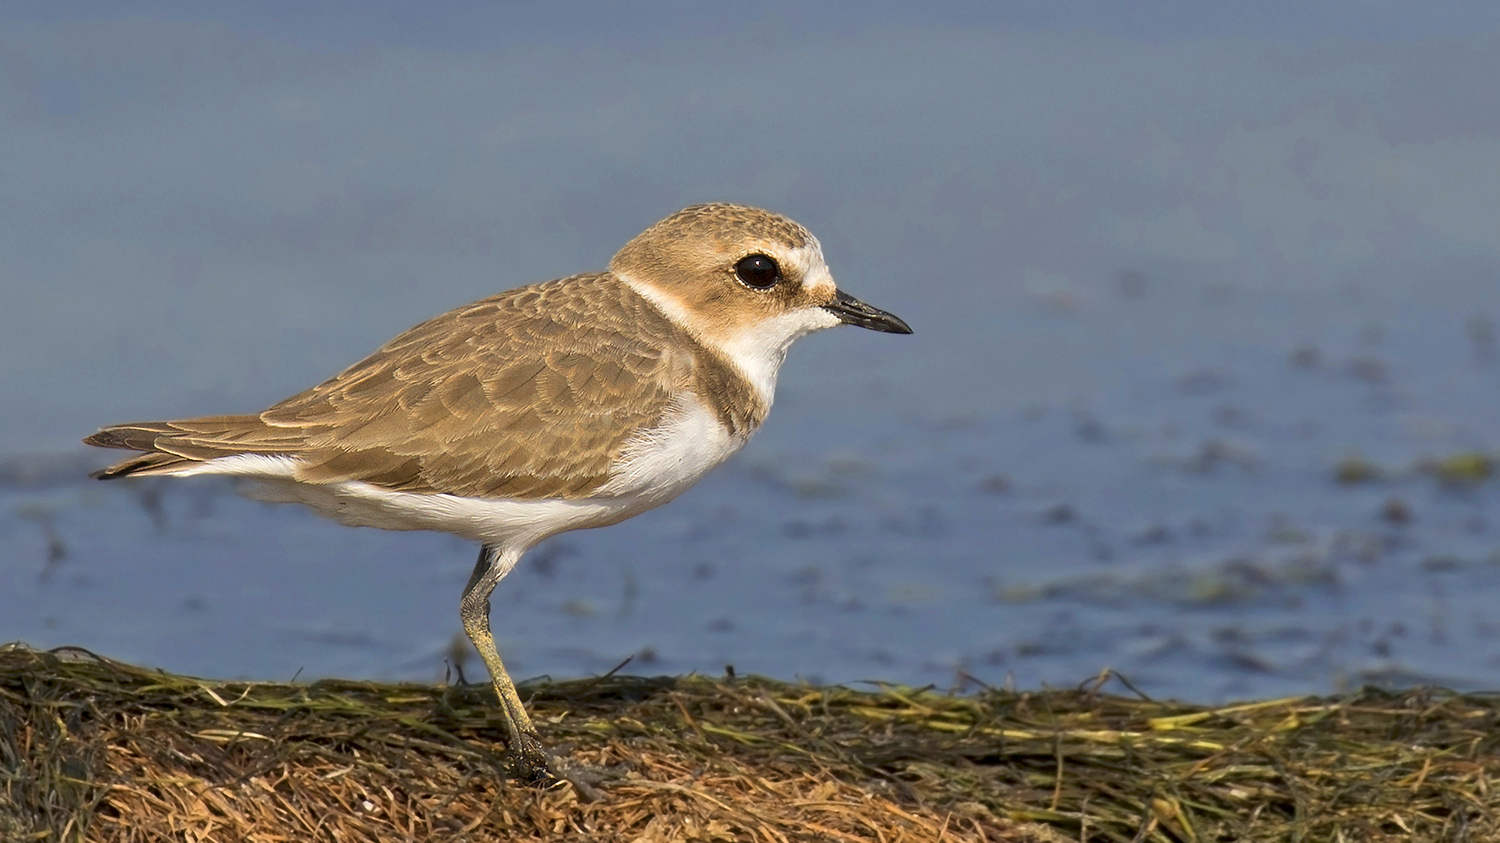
x: 1183, y: 526
x: 1160, y: 292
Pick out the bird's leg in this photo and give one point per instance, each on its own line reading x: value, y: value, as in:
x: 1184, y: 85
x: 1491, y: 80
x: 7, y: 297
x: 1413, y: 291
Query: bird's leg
x: 529, y: 762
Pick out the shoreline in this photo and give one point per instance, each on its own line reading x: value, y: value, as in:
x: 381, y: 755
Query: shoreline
x: 101, y: 750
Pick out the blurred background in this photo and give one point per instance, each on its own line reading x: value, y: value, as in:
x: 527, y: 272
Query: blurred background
x: 1203, y: 387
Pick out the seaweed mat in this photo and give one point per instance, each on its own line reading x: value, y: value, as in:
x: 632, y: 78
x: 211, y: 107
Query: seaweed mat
x: 96, y: 750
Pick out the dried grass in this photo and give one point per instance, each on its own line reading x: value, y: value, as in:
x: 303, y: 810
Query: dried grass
x: 94, y: 750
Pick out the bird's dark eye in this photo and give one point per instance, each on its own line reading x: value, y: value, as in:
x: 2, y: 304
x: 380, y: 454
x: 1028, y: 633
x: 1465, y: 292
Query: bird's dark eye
x: 758, y: 271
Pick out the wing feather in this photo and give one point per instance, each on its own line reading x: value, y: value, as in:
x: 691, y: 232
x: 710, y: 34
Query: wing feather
x: 529, y: 394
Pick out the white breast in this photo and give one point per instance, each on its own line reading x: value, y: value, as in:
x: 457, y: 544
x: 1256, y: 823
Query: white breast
x: 660, y: 463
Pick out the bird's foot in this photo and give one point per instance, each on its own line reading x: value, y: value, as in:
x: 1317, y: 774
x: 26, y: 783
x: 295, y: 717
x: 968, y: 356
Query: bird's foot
x: 528, y: 762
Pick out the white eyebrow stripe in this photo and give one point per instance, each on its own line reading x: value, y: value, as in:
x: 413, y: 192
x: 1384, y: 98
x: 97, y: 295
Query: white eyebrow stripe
x: 814, y: 271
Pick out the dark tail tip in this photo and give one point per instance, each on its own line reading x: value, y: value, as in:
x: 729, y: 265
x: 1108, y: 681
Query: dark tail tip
x: 105, y: 438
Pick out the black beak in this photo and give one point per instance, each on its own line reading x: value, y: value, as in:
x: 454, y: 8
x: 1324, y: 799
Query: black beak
x: 852, y: 311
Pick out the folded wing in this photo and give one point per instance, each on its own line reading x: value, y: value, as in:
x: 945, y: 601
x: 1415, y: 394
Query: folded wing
x: 529, y: 394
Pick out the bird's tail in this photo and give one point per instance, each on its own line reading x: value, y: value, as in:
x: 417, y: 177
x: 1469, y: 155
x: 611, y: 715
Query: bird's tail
x: 173, y: 447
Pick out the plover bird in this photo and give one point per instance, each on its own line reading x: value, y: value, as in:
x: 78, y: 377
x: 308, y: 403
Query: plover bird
x: 558, y: 406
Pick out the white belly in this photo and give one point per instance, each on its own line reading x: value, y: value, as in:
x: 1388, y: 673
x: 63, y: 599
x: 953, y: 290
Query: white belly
x: 657, y: 465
